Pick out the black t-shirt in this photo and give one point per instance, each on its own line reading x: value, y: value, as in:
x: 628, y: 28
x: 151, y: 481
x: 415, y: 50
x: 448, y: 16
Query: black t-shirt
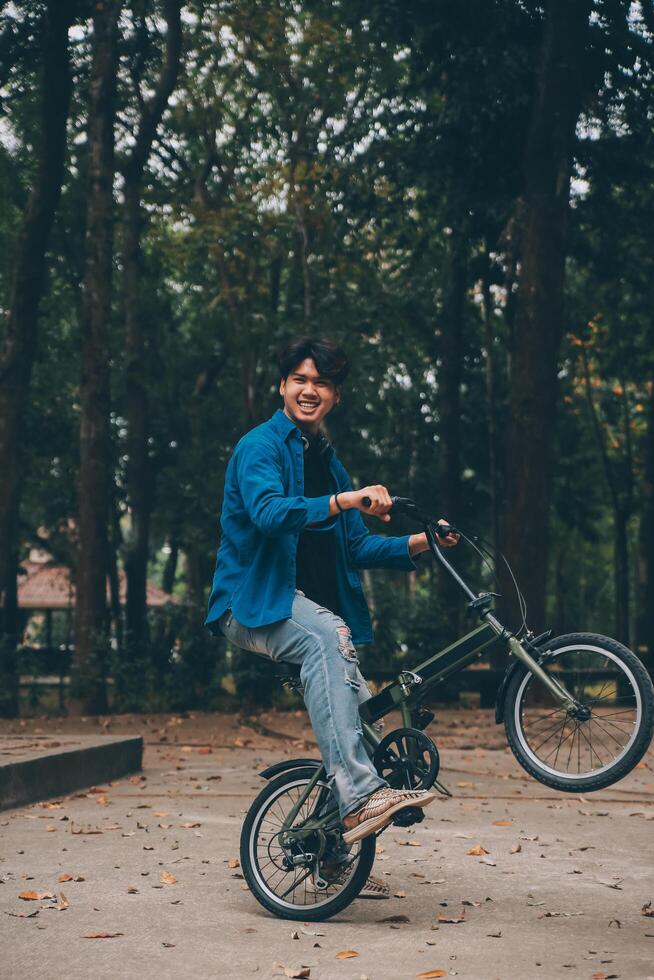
x: 316, y: 550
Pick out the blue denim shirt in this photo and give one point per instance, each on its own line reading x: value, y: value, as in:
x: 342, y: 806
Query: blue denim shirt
x: 262, y: 516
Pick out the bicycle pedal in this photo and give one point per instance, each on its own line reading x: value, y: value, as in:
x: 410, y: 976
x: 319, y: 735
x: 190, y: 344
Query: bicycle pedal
x: 423, y: 718
x: 409, y: 816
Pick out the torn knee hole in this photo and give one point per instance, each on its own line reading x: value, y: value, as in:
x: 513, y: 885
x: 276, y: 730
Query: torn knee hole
x: 345, y: 645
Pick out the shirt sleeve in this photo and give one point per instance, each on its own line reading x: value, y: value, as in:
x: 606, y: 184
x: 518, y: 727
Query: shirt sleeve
x: 259, y: 475
x: 369, y: 550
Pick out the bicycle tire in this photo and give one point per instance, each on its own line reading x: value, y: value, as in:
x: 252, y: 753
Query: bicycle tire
x: 639, y: 741
x: 249, y: 835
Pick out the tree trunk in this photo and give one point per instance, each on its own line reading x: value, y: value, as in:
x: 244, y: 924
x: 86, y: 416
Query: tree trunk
x: 645, y: 636
x: 95, y: 445
x: 20, y: 340
x: 140, y: 481
x: 170, y: 568
x: 538, y: 321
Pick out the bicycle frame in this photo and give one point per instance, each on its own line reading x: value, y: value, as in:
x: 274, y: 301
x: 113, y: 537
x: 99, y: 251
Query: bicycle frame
x: 411, y: 686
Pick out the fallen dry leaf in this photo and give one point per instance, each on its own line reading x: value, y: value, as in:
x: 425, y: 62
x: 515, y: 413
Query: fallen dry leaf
x: 400, y: 894
x: 206, y: 750
x: 647, y: 910
x: 428, y: 974
x: 65, y: 877
x: 132, y: 890
x: 35, y: 896
x: 166, y: 878
x: 454, y: 919
x: 346, y: 954
x: 233, y: 863
x: 297, y: 971
x: 189, y: 826
x: 502, y: 823
x: 478, y: 851
x: 63, y: 903
x: 102, y: 935
x: 395, y: 918
x: 409, y: 843
x: 516, y: 848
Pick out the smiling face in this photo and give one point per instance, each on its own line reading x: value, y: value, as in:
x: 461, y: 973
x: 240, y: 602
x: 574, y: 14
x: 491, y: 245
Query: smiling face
x: 308, y: 397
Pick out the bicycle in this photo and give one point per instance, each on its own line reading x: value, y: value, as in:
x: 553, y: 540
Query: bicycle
x: 578, y: 712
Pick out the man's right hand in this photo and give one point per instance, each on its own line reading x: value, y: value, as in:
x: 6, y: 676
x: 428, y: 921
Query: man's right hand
x: 379, y: 497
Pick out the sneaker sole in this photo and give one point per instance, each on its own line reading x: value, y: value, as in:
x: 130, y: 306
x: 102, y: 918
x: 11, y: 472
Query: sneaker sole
x: 373, y: 824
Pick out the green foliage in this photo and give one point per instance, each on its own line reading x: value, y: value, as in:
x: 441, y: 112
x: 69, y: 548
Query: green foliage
x: 309, y: 175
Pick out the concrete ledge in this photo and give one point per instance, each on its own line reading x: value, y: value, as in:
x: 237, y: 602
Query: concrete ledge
x: 38, y: 767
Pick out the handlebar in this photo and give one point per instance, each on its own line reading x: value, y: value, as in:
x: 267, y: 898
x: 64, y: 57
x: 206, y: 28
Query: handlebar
x: 408, y: 507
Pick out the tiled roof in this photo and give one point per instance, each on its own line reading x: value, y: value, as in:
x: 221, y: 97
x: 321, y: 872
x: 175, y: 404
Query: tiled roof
x: 48, y: 586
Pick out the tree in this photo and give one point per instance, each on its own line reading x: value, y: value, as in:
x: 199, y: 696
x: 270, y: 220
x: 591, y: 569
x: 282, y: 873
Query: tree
x: 95, y: 475
x: 538, y: 322
x: 139, y: 329
x: 21, y: 333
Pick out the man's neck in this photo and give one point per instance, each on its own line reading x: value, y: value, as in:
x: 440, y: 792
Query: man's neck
x: 310, y: 429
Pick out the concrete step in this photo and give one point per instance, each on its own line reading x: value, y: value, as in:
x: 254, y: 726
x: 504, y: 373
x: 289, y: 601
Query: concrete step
x: 38, y: 767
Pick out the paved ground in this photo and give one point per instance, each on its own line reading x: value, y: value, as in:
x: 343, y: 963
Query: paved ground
x: 560, y: 893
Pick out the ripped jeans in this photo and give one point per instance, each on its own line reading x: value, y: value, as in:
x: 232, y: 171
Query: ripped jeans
x: 320, y: 642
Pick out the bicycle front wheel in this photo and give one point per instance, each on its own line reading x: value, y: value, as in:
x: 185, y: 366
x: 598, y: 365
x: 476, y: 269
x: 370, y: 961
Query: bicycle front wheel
x: 607, y: 739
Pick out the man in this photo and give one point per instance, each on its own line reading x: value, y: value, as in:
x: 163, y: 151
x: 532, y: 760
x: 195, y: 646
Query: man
x: 286, y: 583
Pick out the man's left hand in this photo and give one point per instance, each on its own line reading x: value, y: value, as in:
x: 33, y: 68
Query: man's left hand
x: 450, y: 540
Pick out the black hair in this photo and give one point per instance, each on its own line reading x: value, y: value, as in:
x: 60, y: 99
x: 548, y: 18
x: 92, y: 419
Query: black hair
x: 330, y: 359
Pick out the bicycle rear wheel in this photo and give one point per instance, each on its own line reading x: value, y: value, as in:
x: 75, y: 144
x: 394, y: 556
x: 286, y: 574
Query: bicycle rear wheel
x: 281, y: 877
x: 604, y: 743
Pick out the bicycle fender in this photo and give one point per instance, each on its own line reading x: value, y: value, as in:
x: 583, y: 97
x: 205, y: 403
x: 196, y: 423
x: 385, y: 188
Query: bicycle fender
x: 288, y: 764
x: 516, y: 665
x: 501, y: 691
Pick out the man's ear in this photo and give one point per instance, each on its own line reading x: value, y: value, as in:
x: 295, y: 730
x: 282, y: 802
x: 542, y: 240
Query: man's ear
x: 282, y: 387
x: 338, y: 395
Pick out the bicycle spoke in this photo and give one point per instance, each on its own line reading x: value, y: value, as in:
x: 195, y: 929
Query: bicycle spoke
x: 594, y: 719
x: 542, y: 718
x: 572, y: 745
x: 590, y: 745
x: 295, y: 884
x: 560, y: 741
x: 556, y: 749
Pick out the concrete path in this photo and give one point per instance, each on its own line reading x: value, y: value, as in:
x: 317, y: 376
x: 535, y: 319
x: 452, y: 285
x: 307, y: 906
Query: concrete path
x: 150, y: 863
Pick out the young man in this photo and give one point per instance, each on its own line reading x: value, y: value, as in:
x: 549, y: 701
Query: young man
x: 286, y: 583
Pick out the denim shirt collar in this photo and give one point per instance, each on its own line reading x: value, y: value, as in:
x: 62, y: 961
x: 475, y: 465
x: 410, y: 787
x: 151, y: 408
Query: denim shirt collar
x: 284, y: 427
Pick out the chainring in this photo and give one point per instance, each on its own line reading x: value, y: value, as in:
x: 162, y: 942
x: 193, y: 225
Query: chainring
x: 407, y: 759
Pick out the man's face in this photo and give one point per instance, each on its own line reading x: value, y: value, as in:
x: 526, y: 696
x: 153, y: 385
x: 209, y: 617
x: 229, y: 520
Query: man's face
x: 308, y: 397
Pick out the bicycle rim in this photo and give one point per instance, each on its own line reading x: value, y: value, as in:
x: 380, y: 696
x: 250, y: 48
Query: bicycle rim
x: 568, y: 748
x: 291, y: 889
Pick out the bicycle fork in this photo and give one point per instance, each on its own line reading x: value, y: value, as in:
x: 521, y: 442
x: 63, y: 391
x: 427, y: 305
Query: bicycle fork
x: 558, y: 692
